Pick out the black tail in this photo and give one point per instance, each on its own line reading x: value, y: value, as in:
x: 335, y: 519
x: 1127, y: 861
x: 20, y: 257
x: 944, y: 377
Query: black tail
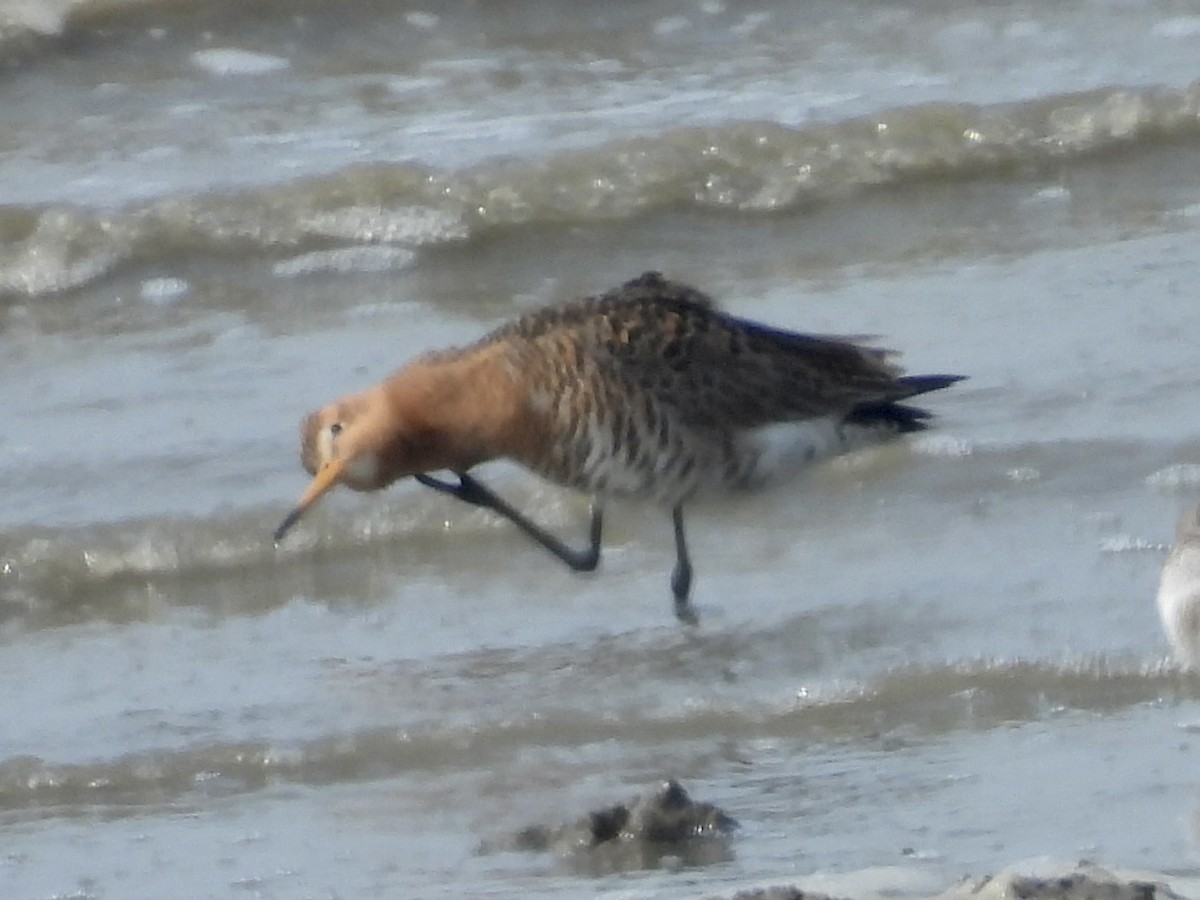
x: 898, y: 415
x: 923, y: 384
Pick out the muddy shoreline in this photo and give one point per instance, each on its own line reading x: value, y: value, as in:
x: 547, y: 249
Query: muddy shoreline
x: 665, y: 827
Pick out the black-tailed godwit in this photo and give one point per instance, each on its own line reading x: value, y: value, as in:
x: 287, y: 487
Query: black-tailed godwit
x: 647, y: 391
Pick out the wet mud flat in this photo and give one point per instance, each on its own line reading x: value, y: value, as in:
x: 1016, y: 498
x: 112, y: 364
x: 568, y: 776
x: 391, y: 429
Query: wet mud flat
x: 663, y: 827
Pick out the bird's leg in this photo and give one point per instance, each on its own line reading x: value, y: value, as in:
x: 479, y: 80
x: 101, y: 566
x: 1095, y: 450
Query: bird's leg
x: 469, y: 490
x: 681, y: 575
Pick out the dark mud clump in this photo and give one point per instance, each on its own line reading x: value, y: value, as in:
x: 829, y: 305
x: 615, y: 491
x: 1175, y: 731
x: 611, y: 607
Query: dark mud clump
x: 1086, y: 882
x: 661, y: 827
x: 780, y: 893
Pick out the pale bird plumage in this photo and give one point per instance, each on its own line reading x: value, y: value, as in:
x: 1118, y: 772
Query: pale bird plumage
x: 647, y: 390
x: 1179, y: 591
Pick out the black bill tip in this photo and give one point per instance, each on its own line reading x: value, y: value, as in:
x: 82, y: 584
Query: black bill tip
x: 286, y: 525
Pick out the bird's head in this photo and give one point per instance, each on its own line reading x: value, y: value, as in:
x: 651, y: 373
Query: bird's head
x: 343, y: 443
x: 436, y: 413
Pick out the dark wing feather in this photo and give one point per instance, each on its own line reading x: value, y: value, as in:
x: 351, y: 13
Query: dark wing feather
x: 723, y: 372
x: 716, y: 371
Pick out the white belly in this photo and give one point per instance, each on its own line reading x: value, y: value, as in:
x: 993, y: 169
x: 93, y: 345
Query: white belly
x: 778, y: 451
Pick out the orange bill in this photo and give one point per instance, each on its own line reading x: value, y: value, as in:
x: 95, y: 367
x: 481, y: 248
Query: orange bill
x: 325, y: 479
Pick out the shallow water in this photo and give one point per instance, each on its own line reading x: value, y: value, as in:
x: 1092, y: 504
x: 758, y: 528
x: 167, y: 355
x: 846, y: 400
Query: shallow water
x: 925, y: 660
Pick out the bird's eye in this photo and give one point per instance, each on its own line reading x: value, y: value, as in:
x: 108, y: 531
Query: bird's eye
x: 335, y: 429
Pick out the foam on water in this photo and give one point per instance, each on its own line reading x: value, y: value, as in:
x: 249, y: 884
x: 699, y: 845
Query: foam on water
x: 234, y: 61
x: 345, y: 260
x: 1176, y: 478
x: 751, y: 168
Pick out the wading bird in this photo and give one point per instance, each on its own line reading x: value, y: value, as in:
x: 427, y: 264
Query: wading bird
x: 1179, y: 591
x: 646, y: 391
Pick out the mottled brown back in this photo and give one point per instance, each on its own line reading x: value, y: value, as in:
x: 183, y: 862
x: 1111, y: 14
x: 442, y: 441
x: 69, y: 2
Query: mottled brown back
x: 716, y: 370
